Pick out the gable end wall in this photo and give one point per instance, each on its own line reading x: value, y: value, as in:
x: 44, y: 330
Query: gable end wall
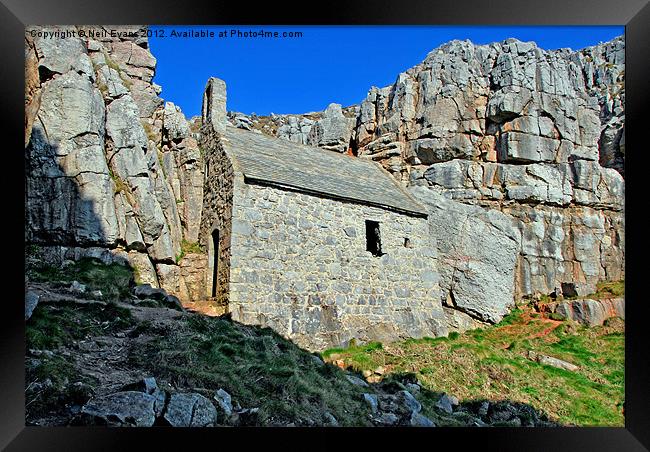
x: 217, y: 212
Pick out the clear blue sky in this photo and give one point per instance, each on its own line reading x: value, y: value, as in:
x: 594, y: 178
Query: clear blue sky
x: 327, y: 64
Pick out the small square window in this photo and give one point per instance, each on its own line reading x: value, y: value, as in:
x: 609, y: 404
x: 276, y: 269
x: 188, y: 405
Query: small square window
x: 407, y: 242
x: 373, y: 238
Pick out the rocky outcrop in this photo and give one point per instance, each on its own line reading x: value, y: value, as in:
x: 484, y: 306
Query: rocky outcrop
x: 333, y: 131
x: 183, y: 167
x: 330, y: 129
x: 112, y: 172
x: 509, y: 102
x: 603, y: 67
x: 589, y: 312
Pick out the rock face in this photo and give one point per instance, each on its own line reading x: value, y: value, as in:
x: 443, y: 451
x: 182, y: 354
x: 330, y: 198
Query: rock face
x: 332, y: 131
x: 111, y: 170
x: 518, y: 130
x: 477, y: 276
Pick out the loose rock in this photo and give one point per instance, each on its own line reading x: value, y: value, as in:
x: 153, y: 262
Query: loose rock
x: 190, y: 410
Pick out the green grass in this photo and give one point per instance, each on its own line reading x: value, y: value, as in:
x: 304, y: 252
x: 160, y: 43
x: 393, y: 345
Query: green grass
x: 112, y: 280
x: 62, y: 322
x: 362, y: 354
x: 258, y: 367
x: 49, y: 385
x: 610, y: 289
x: 189, y: 248
x: 491, y: 364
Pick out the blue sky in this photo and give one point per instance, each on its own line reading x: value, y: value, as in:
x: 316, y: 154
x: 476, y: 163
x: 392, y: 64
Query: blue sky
x: 327, y: 64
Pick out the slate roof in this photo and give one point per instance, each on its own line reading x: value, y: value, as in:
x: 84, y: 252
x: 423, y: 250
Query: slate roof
x: 316, y: 171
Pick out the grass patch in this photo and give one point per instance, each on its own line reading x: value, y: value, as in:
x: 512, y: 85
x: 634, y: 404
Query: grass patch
x: 604, y: 289
x: 258, y: 367
x: 120, y: 185
x: 111, y: 64
x: 61, y: 323
x: 103, y: 88
x: 610, y: 289
x: 512, y: 318
x: 491, y: 364
x: 128, y: 83
x: 148, y: 130
x: 161, y: 162
x: 52, y: 384
x: 114, y: 280
x: 189, y: 248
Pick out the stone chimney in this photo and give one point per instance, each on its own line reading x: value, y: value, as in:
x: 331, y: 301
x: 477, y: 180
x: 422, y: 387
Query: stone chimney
x: 214, y: 104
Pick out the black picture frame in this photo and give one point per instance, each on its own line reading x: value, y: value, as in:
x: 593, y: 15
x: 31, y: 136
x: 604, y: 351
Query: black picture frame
x: 16, y: 14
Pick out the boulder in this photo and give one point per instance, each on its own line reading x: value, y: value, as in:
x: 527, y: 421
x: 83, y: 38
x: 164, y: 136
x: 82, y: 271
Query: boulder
x: 31, y: 301
x: 149, y: 386
x: 224, y: 400
x: 145, y: 291
x: 551, y: 361
x: 477, y: 250
x: 190, y: 410
x: 371, y: 400
x: 330, y: 420
x: 410, y: 402
x: 77, y: 287
x: 145, y: 269
x: 175, y: 126
x: 419, y: 420
x: 128, y: 408
x: 356, y: 380
x: 445, y: 403
x: 332, y: 131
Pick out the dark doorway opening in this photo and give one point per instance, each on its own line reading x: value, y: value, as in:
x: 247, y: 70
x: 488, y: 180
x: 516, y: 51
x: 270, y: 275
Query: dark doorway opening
x: 373, y: 239
x: 215, y: 263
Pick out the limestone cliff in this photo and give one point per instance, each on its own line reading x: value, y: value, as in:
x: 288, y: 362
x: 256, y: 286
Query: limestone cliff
x: 111, y: 171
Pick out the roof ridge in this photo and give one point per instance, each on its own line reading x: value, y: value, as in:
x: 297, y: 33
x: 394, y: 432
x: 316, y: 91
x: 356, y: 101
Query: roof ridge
x: 314, y: 170
x: 282, y: 141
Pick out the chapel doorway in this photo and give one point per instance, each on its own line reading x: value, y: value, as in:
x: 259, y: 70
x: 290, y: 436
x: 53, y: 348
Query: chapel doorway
x: 215, y: 263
